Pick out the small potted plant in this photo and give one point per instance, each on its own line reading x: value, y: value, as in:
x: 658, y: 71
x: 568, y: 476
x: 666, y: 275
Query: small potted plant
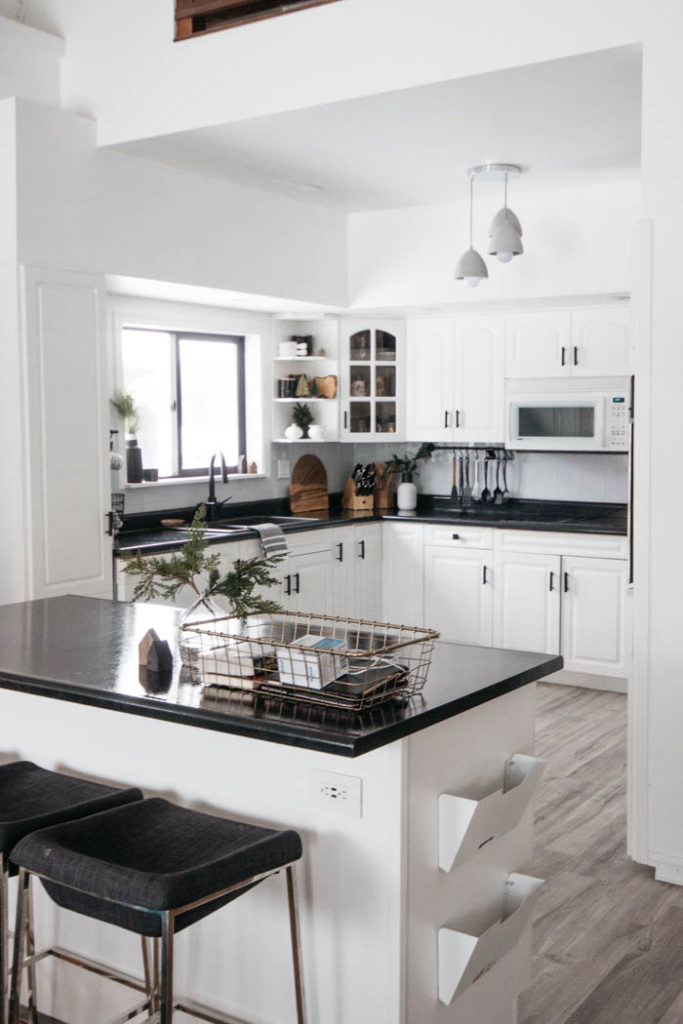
x: 302, y: 417
x: 193, y: 567
x: 405, y: 466
x: 125, y: 406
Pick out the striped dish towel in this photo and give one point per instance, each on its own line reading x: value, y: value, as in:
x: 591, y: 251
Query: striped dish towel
x: 273, y: 540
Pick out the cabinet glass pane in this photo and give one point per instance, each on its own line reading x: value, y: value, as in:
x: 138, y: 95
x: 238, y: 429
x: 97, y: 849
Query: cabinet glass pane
x: 385, y: 416
x: 360, y: 417
x: 360, y: 382
x: 360, y: 346
x: 385, y: 347
x: 385, y: 382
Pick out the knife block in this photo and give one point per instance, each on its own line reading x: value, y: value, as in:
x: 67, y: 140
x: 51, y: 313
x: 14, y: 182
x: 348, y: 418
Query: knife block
x: 357, y: 502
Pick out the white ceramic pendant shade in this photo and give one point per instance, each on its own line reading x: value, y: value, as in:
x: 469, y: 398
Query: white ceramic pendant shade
x: 471, y: 268
x: 505, y: 231
x: 505, y: 242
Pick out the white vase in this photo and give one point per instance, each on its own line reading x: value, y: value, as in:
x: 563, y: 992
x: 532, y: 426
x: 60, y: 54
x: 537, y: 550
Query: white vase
x: 316, y: 432
x: 406, y: 496
x: 293, y: 433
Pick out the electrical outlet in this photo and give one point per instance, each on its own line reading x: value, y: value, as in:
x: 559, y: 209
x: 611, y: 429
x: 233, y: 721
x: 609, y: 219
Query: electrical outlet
x: 341, y: 794
x: 283, y: 470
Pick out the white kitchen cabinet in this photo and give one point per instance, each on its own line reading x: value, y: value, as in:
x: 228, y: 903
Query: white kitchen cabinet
x: 371, y: 379
x: 601, y: 342
x: 594, y: 342
x: 526, y: 601
x: 402, y: 573
x: 359, y: 592
x: 455, y: 379
x: 594, y: 620
x: 458, y: 593
x: 538, y: 344
x: 307, y: 582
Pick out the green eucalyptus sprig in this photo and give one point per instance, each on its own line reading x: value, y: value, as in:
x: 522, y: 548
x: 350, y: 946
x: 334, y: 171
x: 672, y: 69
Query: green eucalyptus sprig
x: 407, y: 463
x: 164, y: 577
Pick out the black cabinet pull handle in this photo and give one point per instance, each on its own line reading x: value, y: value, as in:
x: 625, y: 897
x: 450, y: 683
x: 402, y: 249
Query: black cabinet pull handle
x: 484, y: 576
x: 445, y: 419
x: 456, y: 536
x: 109, y: 516
x: 288, y: 585
x: 564, y: 353
x: 340, y: 556
x: 297, y: 588
x: 550, y: 581
x: 576, y: 355
x: 346, y: 420
x: 566, y: 583
x: 362, y: 549
x: 457, y: 417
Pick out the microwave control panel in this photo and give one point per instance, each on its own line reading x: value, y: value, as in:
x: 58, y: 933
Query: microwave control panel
x: 617, y: 421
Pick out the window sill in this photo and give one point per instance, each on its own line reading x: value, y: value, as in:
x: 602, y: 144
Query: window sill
x: 181, y: 481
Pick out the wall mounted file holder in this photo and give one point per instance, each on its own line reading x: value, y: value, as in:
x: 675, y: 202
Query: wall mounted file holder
x: 466, y: 826
x: 465, y: 958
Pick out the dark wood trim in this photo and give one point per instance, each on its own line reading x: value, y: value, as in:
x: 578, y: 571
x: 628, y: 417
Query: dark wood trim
x: 205, y: 16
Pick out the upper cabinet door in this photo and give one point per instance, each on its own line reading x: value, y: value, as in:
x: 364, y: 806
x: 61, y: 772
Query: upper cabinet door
x: 538, y: 344
x: 478, y: 379
x: 429, y: 379
x: 601, y: 342
x: 371, y: 366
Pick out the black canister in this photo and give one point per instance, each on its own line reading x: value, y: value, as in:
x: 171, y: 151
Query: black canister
x: 133, y: 461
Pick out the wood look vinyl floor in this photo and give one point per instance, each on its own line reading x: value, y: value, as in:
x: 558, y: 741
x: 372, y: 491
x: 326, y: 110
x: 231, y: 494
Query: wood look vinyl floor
x: 608, y: 939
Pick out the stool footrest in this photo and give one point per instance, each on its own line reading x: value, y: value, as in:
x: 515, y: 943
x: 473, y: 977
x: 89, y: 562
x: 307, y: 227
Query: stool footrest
x: 94, y: 966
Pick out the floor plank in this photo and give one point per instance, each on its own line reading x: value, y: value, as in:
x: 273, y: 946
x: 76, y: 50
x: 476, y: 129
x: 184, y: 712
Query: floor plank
x: 608, y: 939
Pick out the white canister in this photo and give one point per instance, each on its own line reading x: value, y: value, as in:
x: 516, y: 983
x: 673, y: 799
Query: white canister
x: 316, y: 432
x: 406, y: 496
x: 287, y: 350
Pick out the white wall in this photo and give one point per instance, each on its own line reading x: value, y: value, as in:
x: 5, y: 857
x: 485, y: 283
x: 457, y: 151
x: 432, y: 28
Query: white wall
x: 29, y: 62
x: 577, y: 243
x: 141, y: 83
x: 106, y: 212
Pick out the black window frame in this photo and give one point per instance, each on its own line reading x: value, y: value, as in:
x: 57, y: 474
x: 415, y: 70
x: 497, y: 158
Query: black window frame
x: 238, y: 340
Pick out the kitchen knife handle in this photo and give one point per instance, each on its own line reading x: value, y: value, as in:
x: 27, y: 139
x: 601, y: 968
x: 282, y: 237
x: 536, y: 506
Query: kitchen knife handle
x: 340, y: 556
x: 362, y: 549
x: 297, y: 588
x: 566, y: 583
x: 288, y: 585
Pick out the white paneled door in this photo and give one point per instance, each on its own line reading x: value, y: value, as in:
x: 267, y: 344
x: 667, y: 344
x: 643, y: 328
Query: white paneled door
x: 526, y: 603
x: 68, y: 472
x: 594, y: 621
x: 459, y: 594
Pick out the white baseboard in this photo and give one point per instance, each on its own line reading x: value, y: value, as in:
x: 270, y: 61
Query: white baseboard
x: 668, y: 868
x: 587, y: 680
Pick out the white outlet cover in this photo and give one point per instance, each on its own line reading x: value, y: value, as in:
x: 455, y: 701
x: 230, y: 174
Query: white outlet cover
x: 337, y: 793
x: 283, y: 469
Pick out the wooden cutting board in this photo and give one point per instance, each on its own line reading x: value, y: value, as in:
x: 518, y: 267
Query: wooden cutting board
x: 308, y: 489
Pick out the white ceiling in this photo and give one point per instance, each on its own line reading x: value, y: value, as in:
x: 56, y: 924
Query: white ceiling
x: 568, y: 122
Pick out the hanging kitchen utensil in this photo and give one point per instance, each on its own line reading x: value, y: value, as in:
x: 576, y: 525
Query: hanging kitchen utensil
x: 455, y: 497
x: 476, y: 483
x: 497, y: 494
x: 506, y: 493
x: 486, y: 494
x: 465, y: 489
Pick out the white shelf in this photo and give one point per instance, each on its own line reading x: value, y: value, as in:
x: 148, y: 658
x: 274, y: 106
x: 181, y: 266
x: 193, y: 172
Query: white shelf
x: 305, y: 359
x: 467, y: 826
x: 464, y: 958
x: 304, y: 398
x: 303, y: 440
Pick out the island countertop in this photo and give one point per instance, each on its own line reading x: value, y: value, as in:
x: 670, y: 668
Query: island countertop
x: 86, y: 650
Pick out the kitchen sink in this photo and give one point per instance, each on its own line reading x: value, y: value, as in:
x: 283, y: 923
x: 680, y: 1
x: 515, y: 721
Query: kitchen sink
x: 248, y: 522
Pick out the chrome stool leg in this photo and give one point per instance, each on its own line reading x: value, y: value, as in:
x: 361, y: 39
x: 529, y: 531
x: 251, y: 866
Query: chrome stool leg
x: 4, y: 940
x: 296, y: 947
x: 32, y: 1017
x: 18, y: 950
x: 166, y: 985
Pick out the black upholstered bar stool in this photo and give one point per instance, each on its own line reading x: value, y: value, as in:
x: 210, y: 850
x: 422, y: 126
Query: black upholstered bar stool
x: 154, y: 868
x: 32, y: 798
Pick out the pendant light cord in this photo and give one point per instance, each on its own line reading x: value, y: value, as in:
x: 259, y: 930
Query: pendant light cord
x: 505, y: 193
x: 471, y: 210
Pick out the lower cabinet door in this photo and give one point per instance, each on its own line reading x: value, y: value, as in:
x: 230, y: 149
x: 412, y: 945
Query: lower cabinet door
x: 402, y: 565
x: 365, y: 550
x: 526, y: 602
x: 308, y: 578
x: 459, y: 594
x: 594, y: 621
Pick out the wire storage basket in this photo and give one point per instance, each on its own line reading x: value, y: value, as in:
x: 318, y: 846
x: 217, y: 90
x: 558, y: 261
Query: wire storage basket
x: 331, y: 661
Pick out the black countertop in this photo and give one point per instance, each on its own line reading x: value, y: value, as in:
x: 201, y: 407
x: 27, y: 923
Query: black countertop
x: 86, y: 650
x: 144, y: 532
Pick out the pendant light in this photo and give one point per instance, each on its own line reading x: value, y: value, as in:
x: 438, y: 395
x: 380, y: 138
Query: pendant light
x: 505, y: 231
x: 471, y: 268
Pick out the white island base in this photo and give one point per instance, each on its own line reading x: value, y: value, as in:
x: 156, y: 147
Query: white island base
x: 372, y: 895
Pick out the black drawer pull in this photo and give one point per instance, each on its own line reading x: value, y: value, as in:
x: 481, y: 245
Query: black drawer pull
x: 550, y: 581
x: 362, y: 549
x: 484, y: 575
x: 297, y: 588
x: 566, y: 583
x: 456, y: 536
x: 288, y: 585
x: 340, y: 556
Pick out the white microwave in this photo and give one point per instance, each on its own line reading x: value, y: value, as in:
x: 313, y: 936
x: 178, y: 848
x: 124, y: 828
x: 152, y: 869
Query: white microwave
x: 579, y: 415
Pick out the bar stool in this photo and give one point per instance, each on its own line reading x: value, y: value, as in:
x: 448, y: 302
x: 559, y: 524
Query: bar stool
x: 31, y: 798
x: 154, y: 868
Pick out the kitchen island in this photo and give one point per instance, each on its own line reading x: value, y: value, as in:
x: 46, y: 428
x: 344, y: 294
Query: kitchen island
x: 379, y: 899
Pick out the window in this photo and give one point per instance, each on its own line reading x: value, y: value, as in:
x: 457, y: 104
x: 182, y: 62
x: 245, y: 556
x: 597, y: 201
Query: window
x: 189, y: 389
x: 194, y: 17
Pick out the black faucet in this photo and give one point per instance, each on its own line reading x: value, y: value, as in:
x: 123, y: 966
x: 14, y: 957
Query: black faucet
x: 212, y: 505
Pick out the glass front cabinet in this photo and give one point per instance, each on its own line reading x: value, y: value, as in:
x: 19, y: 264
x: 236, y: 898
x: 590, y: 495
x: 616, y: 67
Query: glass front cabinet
x: 371, y: 368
